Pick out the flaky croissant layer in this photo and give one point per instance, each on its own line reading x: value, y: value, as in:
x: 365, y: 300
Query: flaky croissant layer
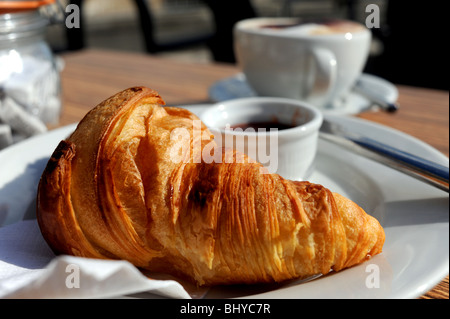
x: 113, y: 190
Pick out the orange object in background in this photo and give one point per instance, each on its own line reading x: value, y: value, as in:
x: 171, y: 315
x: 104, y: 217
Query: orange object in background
x: 13, y: 6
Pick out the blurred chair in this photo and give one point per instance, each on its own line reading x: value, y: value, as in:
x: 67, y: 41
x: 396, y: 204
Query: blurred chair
x: 225, y: 13
x: 415, y: 51
x: 76, y: 37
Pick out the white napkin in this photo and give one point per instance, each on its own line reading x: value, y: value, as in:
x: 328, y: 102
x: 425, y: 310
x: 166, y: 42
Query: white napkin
x: 29, y: 269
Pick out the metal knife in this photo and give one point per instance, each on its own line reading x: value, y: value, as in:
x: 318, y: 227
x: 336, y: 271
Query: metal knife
x: 427, y: 171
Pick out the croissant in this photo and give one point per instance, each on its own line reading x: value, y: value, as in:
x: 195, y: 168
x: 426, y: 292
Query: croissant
x: 112, y: 190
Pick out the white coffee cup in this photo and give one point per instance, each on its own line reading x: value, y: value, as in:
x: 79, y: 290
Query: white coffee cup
x: 289, y: 152
x: 317, y: 62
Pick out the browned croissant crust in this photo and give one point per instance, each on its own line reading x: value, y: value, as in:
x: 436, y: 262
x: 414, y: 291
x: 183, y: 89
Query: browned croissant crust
x: 111, y: 190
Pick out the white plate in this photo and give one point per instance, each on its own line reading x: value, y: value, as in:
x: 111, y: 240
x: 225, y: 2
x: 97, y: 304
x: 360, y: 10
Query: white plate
x: 414, y: 215
x: 237, y: 87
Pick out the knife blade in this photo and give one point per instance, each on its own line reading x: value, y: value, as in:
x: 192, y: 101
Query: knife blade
x: 420, y: 168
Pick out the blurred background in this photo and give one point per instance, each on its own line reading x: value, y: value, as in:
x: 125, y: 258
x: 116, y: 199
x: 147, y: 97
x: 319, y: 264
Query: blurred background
x: 408, y: 48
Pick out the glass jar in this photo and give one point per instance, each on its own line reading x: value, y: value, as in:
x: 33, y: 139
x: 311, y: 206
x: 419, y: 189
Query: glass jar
x: 29, y: 74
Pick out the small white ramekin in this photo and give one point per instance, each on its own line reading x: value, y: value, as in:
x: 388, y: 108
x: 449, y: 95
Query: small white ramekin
x: 289, y: 152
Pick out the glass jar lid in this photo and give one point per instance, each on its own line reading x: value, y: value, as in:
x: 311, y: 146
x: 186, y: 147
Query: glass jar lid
x: 21, y: 24
x: 23, y: 4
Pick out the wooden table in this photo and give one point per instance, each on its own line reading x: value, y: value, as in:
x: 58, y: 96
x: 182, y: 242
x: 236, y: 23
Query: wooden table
x: 91, y: 76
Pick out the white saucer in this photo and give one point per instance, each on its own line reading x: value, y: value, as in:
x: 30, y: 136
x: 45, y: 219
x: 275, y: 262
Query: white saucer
x: 414, y: 215
x: 237, y: 87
